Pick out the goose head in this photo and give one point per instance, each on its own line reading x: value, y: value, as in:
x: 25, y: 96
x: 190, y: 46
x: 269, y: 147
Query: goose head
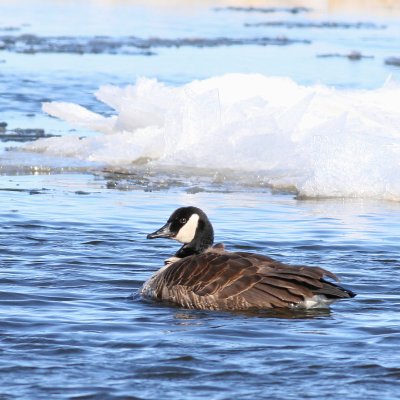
x: 190, y: 226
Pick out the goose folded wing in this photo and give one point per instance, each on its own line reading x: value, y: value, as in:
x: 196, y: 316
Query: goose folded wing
x: 212, y: 273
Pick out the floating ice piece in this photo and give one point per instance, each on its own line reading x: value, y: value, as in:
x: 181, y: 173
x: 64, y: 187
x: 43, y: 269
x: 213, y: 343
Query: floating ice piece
x: 79, y: 116
x: 322, y: 141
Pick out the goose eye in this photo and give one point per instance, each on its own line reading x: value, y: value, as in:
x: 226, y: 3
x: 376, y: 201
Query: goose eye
x: 183, y: 220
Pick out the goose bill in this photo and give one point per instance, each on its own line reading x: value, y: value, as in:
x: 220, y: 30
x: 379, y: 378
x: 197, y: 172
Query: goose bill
x: 163, y: 232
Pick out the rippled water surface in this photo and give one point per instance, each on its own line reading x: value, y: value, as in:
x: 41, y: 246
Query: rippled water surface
x: 73, y: 248
x: 74, y: 254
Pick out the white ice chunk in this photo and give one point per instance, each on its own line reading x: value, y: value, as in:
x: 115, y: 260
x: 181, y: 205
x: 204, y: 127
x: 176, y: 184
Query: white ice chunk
x: 320, y: 140
x: 79, y: 116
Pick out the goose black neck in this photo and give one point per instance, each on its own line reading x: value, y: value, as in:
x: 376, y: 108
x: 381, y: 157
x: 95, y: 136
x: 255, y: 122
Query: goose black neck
x: 203, y: 239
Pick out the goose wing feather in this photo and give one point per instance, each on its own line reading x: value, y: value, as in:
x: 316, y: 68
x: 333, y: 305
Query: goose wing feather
x: 256, y: 279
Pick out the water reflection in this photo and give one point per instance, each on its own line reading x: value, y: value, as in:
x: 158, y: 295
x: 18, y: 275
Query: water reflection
x: 188, y: 317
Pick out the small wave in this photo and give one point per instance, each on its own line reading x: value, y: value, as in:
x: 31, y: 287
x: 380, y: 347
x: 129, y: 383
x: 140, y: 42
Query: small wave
x: 322, y: 141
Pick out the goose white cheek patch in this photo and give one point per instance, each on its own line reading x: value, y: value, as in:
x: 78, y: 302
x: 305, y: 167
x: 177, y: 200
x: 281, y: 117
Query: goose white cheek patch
x: 188, y: 231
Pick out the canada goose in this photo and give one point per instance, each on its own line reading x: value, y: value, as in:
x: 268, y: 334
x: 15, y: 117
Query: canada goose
x: 208, y: 277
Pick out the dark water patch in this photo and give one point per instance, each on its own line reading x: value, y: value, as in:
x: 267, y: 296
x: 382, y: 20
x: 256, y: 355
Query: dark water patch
x: 184, y: 358
x: 94, y: 394
x: 352, y: 56
x: 9, y: 28
x: 35, y: 239
x: 143, y: 179
x: 395, y: 61
x: 192, y: 180
x: 82, y: 193
x: 121, y: 345
x: 394, y: 262
x: 22, y: 135
x: 29, y: 191
x: 94, y: 242
x: 31, y: 224
x: 221, y: 41
x: 289, y: 314
x: 166, y: 372
x: 195, y: 190
x: 266, y: 10
x: 32, y: 44
x: 318, y: 25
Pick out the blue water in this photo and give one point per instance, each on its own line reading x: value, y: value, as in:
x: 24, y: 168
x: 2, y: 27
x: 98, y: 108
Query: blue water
x: 74, y: 256
x: 73, y: 252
